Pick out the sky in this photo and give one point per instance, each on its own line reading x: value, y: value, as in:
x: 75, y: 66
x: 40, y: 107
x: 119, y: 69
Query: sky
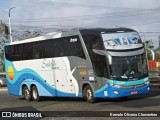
x: 141, y: 15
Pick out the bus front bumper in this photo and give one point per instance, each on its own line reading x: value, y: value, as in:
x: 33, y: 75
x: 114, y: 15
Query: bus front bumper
x: 113, y: 92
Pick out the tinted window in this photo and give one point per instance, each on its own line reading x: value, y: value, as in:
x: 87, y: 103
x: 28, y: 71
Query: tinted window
x: 98, y: 61
x: 16, y: 49
x: 37, y: 50
x: 8, y: 52
x: 26, y: 51
x: 66, y: 46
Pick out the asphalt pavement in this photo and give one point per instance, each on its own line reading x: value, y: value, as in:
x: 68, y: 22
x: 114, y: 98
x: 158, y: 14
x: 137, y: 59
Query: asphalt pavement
x: 79, y: 107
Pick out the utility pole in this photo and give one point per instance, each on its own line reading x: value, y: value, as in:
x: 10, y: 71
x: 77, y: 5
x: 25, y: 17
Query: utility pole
x: 10, y: 30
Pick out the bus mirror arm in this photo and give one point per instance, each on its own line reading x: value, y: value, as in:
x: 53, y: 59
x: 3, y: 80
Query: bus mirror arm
x: 104, y: 53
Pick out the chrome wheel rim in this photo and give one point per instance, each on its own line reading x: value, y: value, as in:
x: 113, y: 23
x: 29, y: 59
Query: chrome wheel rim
x: 26, y: 93
x: 89, y: 94
x: 34, y: 94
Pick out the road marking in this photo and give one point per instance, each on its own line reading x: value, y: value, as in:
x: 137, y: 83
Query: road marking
x: 3, y: 89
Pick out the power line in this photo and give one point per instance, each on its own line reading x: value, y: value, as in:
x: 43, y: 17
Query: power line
x: 148, y: 23
x: 67, y: 4
x: 120, y: 14
x: 60, y: 26
x: 89, y: 17
x: 101, y: 18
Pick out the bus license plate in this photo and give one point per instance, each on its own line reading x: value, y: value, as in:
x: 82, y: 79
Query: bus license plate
x: 133, y: 92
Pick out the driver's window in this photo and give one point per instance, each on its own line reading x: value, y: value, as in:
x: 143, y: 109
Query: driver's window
x: 98, y: 61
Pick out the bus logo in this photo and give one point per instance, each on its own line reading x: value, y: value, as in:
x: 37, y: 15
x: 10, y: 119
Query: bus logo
x: 73, y: 40
x: 49, y: 64
x: 10, y: 72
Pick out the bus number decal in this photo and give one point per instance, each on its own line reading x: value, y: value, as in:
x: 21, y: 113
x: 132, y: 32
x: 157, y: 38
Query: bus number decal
x: 73, y: 40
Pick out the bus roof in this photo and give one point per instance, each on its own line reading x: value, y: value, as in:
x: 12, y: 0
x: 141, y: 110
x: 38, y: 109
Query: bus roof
x: 105, y: 30
x: 59, y: 33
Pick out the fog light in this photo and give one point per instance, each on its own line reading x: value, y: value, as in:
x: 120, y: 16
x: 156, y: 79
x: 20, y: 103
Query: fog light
x: 148, y: 88
x: 116, y: 92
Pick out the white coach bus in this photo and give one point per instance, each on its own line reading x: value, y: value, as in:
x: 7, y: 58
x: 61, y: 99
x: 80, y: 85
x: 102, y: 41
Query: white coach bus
x: 89, y: 63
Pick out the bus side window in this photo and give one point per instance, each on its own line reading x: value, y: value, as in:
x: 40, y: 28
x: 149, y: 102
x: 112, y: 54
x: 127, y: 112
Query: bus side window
x: 67, y: 48
x: 37, y: 50
x: 9, y: 52
x: 27, y: 51
x: 17, y: 52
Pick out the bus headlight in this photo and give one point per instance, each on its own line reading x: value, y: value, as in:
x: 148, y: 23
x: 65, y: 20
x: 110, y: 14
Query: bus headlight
x: 116, y: 86
x: 116, y: 92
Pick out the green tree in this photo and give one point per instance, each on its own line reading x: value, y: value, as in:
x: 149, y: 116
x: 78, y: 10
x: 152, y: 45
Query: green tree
x: 26, y: 34
x: 158, y: 51
x: 4, y: 36
x: 149, y: 44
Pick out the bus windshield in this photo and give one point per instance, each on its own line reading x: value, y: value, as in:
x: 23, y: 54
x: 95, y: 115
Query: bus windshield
x: 122, y: 40
x: 129, y: 68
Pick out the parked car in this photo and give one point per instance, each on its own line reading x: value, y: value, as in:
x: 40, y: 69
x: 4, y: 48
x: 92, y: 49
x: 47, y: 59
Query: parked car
x: 3, y: 82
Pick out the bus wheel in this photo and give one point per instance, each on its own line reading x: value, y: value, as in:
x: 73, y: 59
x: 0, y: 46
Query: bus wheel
x: 35, y: 94
x: 88, y: 94
x: 27, y: 94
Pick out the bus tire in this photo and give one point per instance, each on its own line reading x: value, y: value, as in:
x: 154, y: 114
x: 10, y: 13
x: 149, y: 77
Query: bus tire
x: 88, y: 94
x: 35, y: 94
x: 27, y: 94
